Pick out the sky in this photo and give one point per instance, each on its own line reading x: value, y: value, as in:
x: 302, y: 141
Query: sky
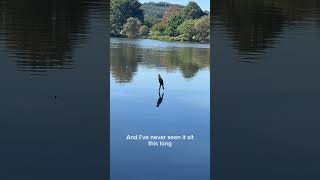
x: 204, y: 4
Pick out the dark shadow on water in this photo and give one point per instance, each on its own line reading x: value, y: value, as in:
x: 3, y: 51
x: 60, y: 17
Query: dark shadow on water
x: 53, y: 117
x: 265, y: 101
x: 160, y: 99
x: 42, y: 34
x: 255, y: 26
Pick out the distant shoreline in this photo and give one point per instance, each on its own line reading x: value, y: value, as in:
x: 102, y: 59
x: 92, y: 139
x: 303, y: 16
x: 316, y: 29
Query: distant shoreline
x: 159, y: 38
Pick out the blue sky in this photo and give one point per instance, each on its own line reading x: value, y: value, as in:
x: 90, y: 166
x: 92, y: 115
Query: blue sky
x: 204, y: 4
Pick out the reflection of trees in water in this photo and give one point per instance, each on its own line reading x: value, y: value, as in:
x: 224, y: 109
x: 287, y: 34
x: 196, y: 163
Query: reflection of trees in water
x: 125, y: 61
x: 188, y: 60
x: 255, y: 25
x: 40, y: 34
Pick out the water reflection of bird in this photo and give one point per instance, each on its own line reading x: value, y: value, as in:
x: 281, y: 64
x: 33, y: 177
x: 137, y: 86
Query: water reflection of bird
x: 160, y: 99
x: 161, y: 82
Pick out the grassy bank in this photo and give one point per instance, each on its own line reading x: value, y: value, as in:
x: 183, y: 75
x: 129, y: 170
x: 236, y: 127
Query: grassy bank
x: 175, y: 38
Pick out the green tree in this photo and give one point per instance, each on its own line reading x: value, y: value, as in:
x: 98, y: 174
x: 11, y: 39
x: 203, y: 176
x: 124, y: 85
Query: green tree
x: 157, y: 29
x: 202, y: 29
x: 192, y: 11
x: 149, y: 21
x: 174, y: 21
x: 144, y: 31
x: 121, y: 10
x: 169, y: 12
x: 186, y: 29
x: 132, y: 27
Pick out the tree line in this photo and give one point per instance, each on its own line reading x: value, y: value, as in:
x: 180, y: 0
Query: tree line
x: 129, y: 18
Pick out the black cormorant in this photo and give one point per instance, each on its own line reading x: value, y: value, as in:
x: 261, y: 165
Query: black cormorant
x: 161, y: 82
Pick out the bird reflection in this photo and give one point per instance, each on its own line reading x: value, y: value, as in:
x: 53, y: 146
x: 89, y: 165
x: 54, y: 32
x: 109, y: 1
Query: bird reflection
x: 160, y: 99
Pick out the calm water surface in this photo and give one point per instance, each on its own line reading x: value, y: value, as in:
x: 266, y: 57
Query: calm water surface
x: 185, y: 109
x: 53, y: 82
x: 267, y: 91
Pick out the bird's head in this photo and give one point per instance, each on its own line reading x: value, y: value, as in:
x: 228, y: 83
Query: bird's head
x: 159, y: 75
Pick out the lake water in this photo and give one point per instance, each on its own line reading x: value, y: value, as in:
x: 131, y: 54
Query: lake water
x: 184, y: 109
x: 53, y: 89
x: 267, y: 90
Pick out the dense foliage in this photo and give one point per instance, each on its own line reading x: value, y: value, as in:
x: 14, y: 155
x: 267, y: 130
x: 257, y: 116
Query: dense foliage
x: 186, y: 29
x: 174, y: 21
x: 157, y: 10
x: 121, y: 10
x: 163, y: 21
x: 132, y: 27
x: 192, y: 11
